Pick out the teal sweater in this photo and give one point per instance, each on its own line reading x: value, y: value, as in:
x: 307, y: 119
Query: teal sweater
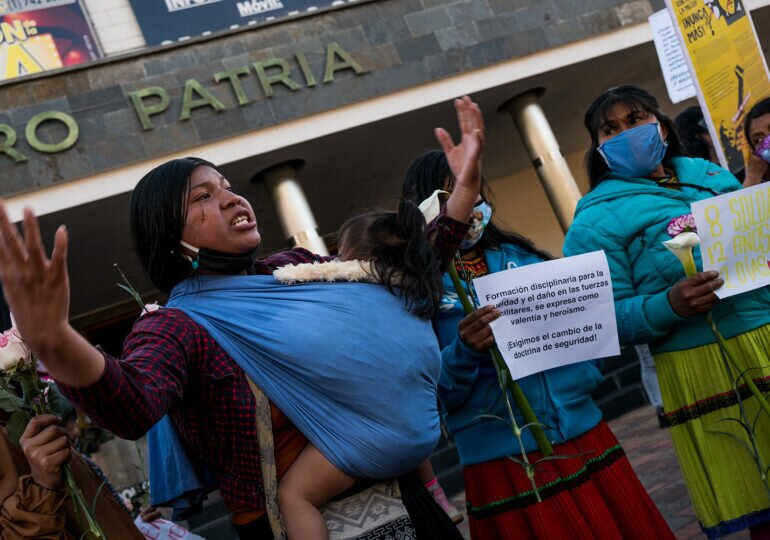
x: 560, y: 397
x: 627, y: 218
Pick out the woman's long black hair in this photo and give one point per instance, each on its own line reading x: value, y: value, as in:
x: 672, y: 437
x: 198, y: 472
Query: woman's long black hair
x: 430, y: 172
x: 158, y: 213
x: 636, y: 99
x: 760, y: 107
x: 403, y: 257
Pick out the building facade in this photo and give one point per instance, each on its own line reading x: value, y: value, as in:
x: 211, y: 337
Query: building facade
x: 350, y: 91
x: 313, y: 113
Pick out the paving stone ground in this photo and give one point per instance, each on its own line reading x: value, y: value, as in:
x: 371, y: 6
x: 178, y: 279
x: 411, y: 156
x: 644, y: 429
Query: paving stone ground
x: 650, y: 451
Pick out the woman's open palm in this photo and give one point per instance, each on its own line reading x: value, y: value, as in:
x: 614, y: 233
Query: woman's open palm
x: 464, y: 157
x: 35, y: 287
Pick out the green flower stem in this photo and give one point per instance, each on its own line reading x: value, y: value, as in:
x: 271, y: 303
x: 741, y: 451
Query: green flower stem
x: 30, y: 391
x: 145, y: 499
x: 748, y: 380
x: 688, y: 262
x: 29, y: 388
x: 81, y: 508
x: 543, y: 444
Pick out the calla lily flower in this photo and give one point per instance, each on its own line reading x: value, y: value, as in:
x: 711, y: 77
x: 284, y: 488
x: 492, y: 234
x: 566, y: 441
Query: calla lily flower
x: 681, y: 246
x: 431, y: 207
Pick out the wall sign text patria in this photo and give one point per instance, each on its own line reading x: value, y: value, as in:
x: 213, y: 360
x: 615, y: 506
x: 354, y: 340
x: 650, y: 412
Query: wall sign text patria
x: 292, y: 74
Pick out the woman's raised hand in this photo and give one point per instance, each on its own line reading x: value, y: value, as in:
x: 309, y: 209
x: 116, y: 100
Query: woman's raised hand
x: 35, y: 287
x: 37, y: 290
x: 464, y: 158
x: 695, y: 294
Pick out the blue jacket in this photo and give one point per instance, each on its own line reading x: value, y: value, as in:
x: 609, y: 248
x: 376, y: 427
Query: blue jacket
x: 560, y: 397
x: 627, y: 218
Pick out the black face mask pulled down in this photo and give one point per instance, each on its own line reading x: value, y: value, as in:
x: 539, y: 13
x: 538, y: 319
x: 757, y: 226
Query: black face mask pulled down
x: 216, y: 262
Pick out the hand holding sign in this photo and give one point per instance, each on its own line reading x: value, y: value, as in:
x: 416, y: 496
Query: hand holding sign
x: 734, y: 231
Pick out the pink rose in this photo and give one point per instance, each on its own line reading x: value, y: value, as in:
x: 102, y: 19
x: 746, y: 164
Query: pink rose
x: 14, y: 353
x: 678, y: 225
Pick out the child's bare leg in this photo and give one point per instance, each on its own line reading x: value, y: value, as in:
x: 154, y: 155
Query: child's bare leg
x: 310, y: 482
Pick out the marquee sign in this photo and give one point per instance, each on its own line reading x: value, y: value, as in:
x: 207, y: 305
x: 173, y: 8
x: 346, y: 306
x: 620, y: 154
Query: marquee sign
x: 167, y: 21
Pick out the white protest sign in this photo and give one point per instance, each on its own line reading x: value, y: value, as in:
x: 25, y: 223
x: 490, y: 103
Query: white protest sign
x: 734, y: 232
x: 554, y: 313
x: 671, y: 57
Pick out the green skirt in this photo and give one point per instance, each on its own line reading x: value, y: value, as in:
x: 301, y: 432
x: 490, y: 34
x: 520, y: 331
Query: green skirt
x: 714, y: 450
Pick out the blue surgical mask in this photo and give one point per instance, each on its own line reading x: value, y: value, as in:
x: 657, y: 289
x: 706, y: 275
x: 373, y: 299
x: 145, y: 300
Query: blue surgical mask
x: 636, y: 152
x: 482, y: 213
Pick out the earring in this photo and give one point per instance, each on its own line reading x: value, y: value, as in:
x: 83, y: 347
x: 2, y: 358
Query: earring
x: 195, y: 264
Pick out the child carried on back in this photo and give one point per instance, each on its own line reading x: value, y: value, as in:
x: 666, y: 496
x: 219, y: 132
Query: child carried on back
x: 389, y: 248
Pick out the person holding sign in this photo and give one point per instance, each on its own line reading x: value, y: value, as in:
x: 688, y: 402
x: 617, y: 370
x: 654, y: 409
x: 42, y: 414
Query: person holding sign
x: 590, y: 490
x: 642, y: 186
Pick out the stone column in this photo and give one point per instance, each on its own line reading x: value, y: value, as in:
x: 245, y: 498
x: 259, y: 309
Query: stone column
x: 551, y: 167
x: 294, y: 213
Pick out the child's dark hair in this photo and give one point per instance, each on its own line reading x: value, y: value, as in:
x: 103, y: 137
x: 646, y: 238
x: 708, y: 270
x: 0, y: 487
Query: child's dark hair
x: 403, y: 258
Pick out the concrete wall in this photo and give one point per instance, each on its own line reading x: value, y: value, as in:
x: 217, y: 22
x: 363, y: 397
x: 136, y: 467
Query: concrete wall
x: 401, y: 44
x: 521, y: 205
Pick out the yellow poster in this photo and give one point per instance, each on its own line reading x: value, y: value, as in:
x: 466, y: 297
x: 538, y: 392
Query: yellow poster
x: 42, y: 35
x: 727, y: 66
x: 33, y: 54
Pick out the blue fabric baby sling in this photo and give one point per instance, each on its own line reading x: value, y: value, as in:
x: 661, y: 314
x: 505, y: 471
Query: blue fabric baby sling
x: 346, y: 362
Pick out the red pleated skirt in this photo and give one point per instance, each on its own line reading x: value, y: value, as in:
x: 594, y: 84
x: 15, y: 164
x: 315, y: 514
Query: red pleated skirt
x: 594, y: 495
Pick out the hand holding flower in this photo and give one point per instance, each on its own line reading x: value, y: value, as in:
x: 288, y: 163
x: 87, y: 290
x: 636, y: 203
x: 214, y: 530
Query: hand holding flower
x: 39, y: 434
x: 695, y: 294
x: 47, y: 448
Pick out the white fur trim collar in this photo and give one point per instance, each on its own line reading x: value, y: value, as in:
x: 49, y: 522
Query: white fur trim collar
x: 327, y: 271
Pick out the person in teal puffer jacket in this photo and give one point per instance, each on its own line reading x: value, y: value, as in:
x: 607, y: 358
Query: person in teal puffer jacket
x: 642, y: 189
x: 593, y: 493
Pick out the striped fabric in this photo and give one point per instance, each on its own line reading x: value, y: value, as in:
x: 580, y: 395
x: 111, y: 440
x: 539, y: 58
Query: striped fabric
x: 714, y: 450
x: 593, y: 495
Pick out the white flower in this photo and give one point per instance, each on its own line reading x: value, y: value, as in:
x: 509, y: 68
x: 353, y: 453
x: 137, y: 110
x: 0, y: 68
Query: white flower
x: 14, y: 353
x: 431, y: 207
x: 148, y: 308
x: 681, y: 246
